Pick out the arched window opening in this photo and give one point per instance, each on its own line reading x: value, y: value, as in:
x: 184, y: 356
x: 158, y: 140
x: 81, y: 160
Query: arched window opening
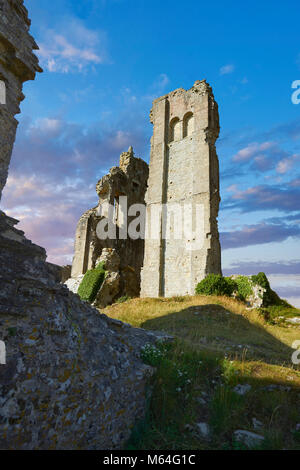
x: 175, y: 133
x: 188, y: 124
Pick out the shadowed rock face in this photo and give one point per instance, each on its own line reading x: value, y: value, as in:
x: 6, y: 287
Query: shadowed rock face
x: 73, y: 378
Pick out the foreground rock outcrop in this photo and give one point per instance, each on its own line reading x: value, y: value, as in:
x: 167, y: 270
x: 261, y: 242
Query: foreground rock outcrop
x: 73, y: 378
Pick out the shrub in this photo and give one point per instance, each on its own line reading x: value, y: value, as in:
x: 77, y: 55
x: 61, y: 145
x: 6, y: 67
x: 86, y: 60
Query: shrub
x: 262, y: 280
x: 244, y: 287
x: 215, y: 284
x: 91, y: 283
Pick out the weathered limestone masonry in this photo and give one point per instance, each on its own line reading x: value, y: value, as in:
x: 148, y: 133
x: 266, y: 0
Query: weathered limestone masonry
x: 130, y: 180
x: 73, y: 378
x: 17, y: 65
x: 184, y: 169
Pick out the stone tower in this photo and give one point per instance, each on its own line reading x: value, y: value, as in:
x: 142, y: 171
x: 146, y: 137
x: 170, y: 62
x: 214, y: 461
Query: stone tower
x: 184, y: 172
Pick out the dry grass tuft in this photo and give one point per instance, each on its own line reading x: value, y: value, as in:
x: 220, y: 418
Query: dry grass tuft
x: 218, y: 345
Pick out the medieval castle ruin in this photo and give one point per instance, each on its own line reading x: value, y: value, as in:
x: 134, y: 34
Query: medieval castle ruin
x: 183, y: 177
x: 125, y: 255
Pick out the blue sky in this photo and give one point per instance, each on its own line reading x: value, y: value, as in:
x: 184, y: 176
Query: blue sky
x: 105, y: 61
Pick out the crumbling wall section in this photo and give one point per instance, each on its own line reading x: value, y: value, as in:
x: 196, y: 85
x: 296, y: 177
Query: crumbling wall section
x: 129, y: 180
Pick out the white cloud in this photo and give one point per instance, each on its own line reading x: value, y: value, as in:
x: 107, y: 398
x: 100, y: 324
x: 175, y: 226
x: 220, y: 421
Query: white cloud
x: 72, y: 48
x: 160, y: 84
x: 295, y: 301
x: 286, y: 164
x: 48, y: 124
x: 245, y: 153
x: 232, y: 188
x: 226, y: 69
x: 288, y: 287
x: 163, y: 80
x: 121, y: 140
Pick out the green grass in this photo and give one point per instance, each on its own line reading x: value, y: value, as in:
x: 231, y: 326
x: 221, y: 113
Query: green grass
x: 218, y: 324
x: 172, y: 405
x: 122, y: 299
x: 279, y: 313
x: 218, y: 345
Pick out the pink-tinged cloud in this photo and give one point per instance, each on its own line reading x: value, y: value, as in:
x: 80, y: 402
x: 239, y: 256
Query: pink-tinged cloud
x: 261, y: 156
x: 246, y: 153
x: 251, y: 150
x: 286, y: 164
x: 265, y: 197
x: 48, y: 213
x: 60, y: 150
x: 295, y: 183
x: 258, y: 234
x: 269, y: 267
x: 53, y: 174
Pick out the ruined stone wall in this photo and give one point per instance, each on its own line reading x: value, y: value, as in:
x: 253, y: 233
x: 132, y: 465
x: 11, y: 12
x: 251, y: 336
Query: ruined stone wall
x: 17, y: 64
x: 130, y: 180
x: 184, y: 170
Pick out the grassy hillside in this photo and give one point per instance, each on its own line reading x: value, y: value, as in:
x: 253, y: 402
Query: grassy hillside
x: 229, y: 368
